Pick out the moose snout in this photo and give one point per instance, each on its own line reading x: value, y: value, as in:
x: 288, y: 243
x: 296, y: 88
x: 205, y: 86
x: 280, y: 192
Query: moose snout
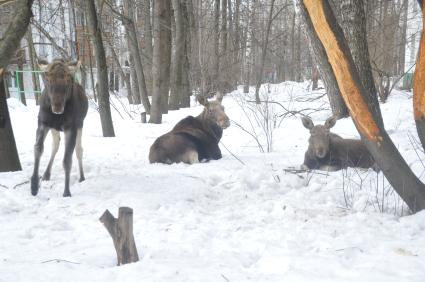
x: 58, y: 109
x: 224, y: 122
x: 320, y: 152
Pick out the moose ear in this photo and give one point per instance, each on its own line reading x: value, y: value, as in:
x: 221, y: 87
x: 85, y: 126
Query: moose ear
x: 42, y: 64
x: 330, y: 122
x: 202, y: 100
x: 307, y: 122
x: 73, y: 66
x: 219, y: 96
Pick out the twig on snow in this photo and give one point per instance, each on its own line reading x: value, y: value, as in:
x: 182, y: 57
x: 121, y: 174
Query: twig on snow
x: 60, y: 260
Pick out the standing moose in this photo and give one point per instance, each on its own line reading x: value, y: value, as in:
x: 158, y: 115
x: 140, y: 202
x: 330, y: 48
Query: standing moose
x: 193, y: 139
x: 331, y: 152
x: 63, y: 107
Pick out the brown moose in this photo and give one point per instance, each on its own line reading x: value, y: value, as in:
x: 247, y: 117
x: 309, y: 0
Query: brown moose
x: 193, y: 139
x: 330, y: 152
x: 63, y: 107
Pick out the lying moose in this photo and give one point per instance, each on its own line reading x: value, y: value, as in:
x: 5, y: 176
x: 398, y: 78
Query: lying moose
x: 330, y: 152
x: 63, y: 107
x: 193, y: 139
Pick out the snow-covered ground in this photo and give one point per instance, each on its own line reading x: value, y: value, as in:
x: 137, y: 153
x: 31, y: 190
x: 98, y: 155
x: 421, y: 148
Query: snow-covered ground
x: 216, y: 221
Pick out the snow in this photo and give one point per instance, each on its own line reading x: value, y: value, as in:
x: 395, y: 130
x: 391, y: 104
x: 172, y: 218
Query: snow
x: 215, y: 221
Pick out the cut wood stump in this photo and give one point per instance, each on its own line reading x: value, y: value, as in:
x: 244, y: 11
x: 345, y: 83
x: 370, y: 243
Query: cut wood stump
x: 121, y: 231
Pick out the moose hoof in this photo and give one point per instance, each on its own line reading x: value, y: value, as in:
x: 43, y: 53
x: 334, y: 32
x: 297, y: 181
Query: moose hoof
x: 46, y: 176
x: 82, y: 178
x: 34, y: 185
x: 66, y: 194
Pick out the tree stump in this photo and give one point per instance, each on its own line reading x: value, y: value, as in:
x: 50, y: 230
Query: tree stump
x: 121, y: 231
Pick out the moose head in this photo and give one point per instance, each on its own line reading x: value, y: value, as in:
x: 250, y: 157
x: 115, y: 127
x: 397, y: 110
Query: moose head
x: 214, y: 110
x: 320, y: 135
x: 59, y: 79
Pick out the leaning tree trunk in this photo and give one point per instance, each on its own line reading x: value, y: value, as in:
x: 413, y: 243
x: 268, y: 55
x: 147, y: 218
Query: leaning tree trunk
x: 8, y: 45
x: 161, y: 60
x: 8, y: 153
x: 419, y: 88
x: 355, y: 95
x: 338, y: 107
x: 102, y: 71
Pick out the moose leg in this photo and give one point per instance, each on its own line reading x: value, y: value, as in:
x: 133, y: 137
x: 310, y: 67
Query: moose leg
x: 55, y: 147
x: 38, y: 151
x: 79, y: 153
x: 70, y: 140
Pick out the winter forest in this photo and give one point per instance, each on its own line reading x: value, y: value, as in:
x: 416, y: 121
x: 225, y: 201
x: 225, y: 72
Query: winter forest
x: 212, y: 140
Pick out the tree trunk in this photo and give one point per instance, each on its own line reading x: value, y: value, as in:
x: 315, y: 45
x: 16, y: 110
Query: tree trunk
x: 419, y: 89
x: 128, y: 22
x: 161, y: 60
x: 8, y: 153
x: 263, y: 54
x: 354, y: 26
x: 20, y: 77
x: 338, y: 107
x: 402, y: 50
x: 102, y: 70
x: 216, y: 46
x: 373, y: 134
x: 121, y: 231
x: 178, y: 58
x: 15, y: 31
x: 134, y: 82
x: 148, y: 50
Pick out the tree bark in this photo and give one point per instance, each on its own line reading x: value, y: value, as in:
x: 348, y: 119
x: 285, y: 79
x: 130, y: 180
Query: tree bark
x: 161, y: 60
x: 121, y: 231
x: 373, y: 134
x: 15, y: 31
x: 338, y: 107
x: 177, y: 89
x: 419, y: 89
x: 8, y: 153
x: 102, y: 70
x: 354, y: 26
